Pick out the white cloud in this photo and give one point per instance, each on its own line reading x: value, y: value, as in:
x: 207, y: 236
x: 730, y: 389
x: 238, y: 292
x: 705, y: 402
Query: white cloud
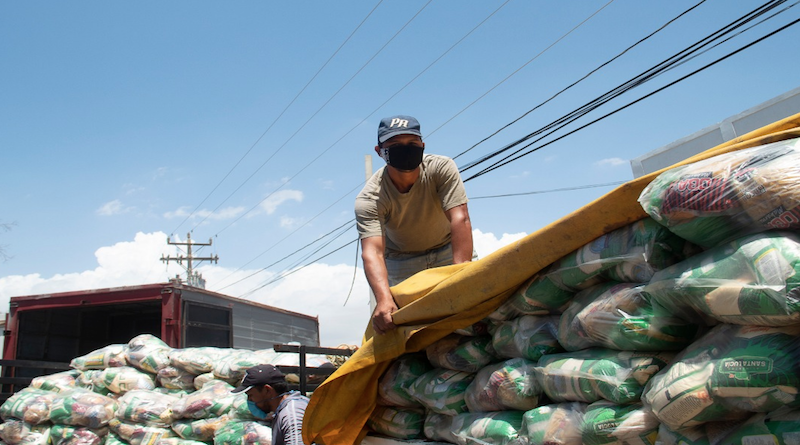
x: 290, y: 223
x: 226, y: 213
x: 111, y: 208
x: 613, y: 162
x: 486, y: 243
x: 271, y: 204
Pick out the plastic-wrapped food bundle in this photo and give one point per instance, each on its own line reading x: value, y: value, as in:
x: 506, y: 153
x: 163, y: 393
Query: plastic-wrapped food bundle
x: 476, y: 329
x: 148, y: 353
x: 107, y: 357
x: 239, y: 409
x: 195, y: 360
x: 175, y: 378
x: 231, y: 367
x: 30, y: 405
x: 594, y: 374
x: 750, y: 281
x: 400, y: 423
x: 86, y: 380
x: 620, y: 316
x: 112, y: 439
x: 461, y: 353
x: 730, y: 371
x: 442, y: 390
x: 608, y: 424
x: 17, y: 432
x: 123, y: 379
x: 721, y: 198
x: 199, y: 429
x: 527, y: 337
x: 60, y: 381
x: 139, y: 434
x: 558, y: 424
x: 81, y: 407
x: 438, y: 427
x: 779, y: 428
x: 74, y: 435
x: 686, y: 436
x: 214, y: 400
x: 509, y: 385
x: 146, y: 407
x: 497, y: 428
x: 203, y: 379
x: 394, y: 384
x: 538, y: 296
x: 177, y: 441
x: 243, y: 433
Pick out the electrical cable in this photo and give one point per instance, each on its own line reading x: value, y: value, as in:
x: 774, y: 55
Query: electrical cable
x: 580, y: 187
x: 353, y: 282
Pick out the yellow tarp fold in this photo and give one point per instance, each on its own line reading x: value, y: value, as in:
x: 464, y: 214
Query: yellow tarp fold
x: 435, y: 302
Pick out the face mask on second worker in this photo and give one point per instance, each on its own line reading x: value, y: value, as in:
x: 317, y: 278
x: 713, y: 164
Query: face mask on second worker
x: 403, y: 157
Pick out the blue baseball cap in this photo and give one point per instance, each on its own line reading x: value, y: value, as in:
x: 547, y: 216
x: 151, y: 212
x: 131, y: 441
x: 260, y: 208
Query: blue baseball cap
x: 395, y: 125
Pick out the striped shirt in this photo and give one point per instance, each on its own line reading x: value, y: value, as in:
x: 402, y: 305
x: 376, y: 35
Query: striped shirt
x: 288, y: 421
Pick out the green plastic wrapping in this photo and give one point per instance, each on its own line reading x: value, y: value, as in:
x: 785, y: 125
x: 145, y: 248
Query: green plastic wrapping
x: 139, y: 434
x: 57, y: 382
x: 178, y: 441
x: 30, y: 405
x: 394, y: 384
x: 608, y: 424
x: 112, y: 439
x: 81, y: 407
x: 461, y: 353
x: 243, y: 433
x: 214, y: 400
x: 527, y: 336
x: 508, y: 385
x: 17, y: 432
x: 107, y: 357
x: 199, y: 429
x: 74, y: 435
x: 146, y: 407
x: 123, y: 379
x: 731, y: 371
x: 400, y: 423
x: 175, y: 378
x: 239, y: 409
x: 496, y: 428
x: 556, y: 424
x: 147, y: 352
x: 779, y: 428
x: 196, y: 360
x: 442, y: 390
x: 621, y: 316
x: 438, y: 427
x: 540, y: 295
x: 232, y: 366
x: 750, y: 281
x: 594, y: 374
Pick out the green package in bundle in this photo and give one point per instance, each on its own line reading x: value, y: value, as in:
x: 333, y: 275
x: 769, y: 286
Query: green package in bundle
x: 508, y: 385
x: 438, y: 427
x: 148, y: 353
x: 239, y: 409
x: 527, y: 337
x: 461, y: 353
x: 497, y: 428
x: 199, y: 429
x: 686, y: 436
x: 107, y: 357
x: 400, y: 423
x: 81, y: 407
x: 214, y: 400
x: 729, y: 372
x: 175, y: 378
x: 594, y: 374
x: 394, y: 384
x: 243, y: 433
x: 442, y: 390
x: 538, y: 296
x: 73, y: 435
x: 146, y: 407
x: 179, y: 441
x: 557, y: 424
x: 196, y: 360
x: 606, y: 423
x: 780, y: 428
x: 57, y: 382
x: 30, y: 405
x: 112, y: 439
x: 620, y: 316
x: 139, y: 434
x: 750, y: 281
x: 123, y: 379
x: 17, y: 432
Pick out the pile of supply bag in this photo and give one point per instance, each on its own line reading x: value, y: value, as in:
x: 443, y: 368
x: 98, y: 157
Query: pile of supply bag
x: 681, y: 328
x: 144, y: 393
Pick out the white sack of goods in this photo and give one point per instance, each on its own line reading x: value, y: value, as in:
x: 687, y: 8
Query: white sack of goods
x: 595, y: 374
x: 214, y: 400
x: 17, y: 432
x: 781, y: 427
x: 146, y: 407
x: 30, y: 405
x: 139, y: 434
x: 438, y: 427
x: 556, y: 424
x: 147, y: 352
x: 400, y: 423
x: 508, y: 385
x: 243, y: 433
x: 462, y: 353
x: 620, y: 316
x: 731, y: 371
x: 81, y: 407
x: 57, y: 382
x: 107, y: 357
x: 497, y: 428
x: 751, y: 281
x: 528, y: 337
x: 725, y: 197
x: 394, y: 384
x: 196, y: 360
x: 199, y: 429
x: 77, y: 435
x: 232, y: 366
x: 608, y: 424
x: 442, y: 390
x: 123, y: 379
x: 172, y: 377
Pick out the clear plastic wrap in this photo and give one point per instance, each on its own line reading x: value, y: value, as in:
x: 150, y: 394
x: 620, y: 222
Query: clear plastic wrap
x: 178, y: 441
x: 146, y: 407
x: 608, y: 424
x: 394, y: 384
x: 17, y: 432
x: 231, y: 367
x: 214, y: 400
x: 527, y: 337
x: 686, y: 436
x: 508, y: 385
x: 557, y: 424
x: 175, y: 378
x: 400, y: 423
x: 243, y: 433
x: 60, y: 381
x: 438, y: 427
x: 148, y: 353
x: 123, y: 379
x: 107, y: 357
x: 86, y: 380
x: 81, y: 407
x: 728, y: 196
x: 594, y: 374
x: 497, y: 428
x: 749, y: 281
x: 139, y: 434
x: 732, y: 370
x: 196, y: 360
x: 461, y: 353
x: 620, y: 316
x: 779, y: 428
x: 442, y: 390
x: 199, y: 429
x: 239, y: 409
x: 538, y: 296
x: 74, y: 435
x: 30, y: 405
x: 112, y: 439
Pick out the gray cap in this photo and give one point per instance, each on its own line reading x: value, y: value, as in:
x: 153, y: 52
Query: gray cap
x: 395, y: 125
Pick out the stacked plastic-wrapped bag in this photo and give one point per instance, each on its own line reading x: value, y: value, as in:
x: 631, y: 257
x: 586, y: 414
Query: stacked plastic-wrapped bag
x: 681, y: 328
x: 142, y: 393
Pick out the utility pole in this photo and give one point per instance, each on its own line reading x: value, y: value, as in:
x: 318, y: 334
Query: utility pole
x: 192, y: 278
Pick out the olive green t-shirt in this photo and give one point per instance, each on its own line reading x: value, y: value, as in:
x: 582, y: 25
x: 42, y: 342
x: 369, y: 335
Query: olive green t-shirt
x: 412, y: 222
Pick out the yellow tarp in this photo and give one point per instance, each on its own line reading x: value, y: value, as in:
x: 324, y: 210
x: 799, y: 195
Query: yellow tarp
x: 435, y: 302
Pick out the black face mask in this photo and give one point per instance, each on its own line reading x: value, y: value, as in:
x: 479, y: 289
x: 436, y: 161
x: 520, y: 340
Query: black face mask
x: 403, y: 157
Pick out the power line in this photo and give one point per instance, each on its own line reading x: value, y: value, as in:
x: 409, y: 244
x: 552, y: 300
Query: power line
x: 538, y: 192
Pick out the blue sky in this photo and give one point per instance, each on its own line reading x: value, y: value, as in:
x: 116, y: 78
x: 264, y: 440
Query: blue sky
x: 118, y: 120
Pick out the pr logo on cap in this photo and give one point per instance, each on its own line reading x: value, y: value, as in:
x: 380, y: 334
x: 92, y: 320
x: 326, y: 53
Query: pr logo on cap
x: 399, y: 123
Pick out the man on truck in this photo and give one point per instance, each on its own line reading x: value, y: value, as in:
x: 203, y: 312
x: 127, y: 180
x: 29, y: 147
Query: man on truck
x: 411, y: 215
